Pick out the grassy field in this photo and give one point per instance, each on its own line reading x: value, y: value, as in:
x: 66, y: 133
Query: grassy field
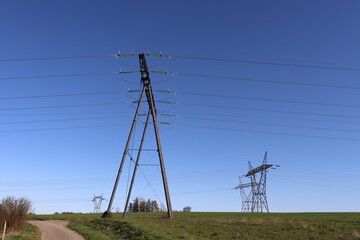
x: 29, y: 233
x: 215, y: 226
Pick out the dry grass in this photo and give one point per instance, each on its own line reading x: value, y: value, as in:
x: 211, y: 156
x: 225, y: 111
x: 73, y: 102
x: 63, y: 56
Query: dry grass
x: 225, y: 221
x: 304, y: 224
x: 356, y: 234
x: 14, y: 211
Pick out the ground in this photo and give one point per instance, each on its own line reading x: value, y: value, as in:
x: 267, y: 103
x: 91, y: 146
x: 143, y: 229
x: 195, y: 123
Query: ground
x: 198, y: 225
x: 29, y: 233
x: 55, y: 230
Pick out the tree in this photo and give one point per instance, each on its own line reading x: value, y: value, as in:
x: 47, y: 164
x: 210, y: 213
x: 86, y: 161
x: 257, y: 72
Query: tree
x: 142, y: 205
x: 14, y: 211
x: 187, y: 209
x: 148, y: 206
x: 154, y: 206
x: 136, y: 205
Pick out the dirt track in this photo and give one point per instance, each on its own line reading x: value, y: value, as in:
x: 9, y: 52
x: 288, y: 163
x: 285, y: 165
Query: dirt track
x: 56, y: 230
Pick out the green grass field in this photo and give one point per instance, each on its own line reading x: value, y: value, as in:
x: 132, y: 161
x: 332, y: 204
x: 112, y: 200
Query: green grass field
x: 30, y: 232
x: 201, y: 225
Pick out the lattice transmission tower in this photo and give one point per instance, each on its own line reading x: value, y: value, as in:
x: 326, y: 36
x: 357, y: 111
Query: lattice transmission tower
x: 254, y: 199
x: 97, y: 203
x: 151, y: 119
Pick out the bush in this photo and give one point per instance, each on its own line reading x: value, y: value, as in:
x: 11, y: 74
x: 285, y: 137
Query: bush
x: 14, y: 212
x: 187, y: 209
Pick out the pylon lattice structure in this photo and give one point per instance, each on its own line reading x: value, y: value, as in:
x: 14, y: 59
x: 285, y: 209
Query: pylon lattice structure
x: 147, y: 93
x: 255, y: 200
x: 97, y: 203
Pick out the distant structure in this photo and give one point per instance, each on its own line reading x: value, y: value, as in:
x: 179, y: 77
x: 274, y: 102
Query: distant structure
x: 97, y: 203
x: 255, y: 199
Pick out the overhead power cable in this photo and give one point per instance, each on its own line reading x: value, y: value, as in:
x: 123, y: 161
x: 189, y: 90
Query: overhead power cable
x: 273, y: 124
x: 262, y: 80
x: 268, y: 132
x: 60, y: 95
x: 269, y: 99
x: 256, y: 62
x: 66, y: 75
x: 61, y: 113
x: 63, y: 57
x: 62, y: 128
x: 251, y: 116
x: 184, y: 93
x: 204, y: 191
x: 61, y: 120
x: 76, y: 94
x: 271, y: 110
x: 220, y: 120
x: 62, y: 106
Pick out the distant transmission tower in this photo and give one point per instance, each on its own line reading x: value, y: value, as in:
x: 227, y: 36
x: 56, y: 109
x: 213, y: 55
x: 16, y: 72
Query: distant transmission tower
x: 255, y: 200
x: 151, y: 112
x: 97, y: 203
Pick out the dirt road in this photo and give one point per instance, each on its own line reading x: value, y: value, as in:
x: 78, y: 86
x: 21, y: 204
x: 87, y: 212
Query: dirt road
x: 56, y: 230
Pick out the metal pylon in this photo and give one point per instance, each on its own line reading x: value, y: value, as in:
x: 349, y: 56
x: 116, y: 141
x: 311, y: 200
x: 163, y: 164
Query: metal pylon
x: 148, y: 93
x: 97, y: 203
x: 255, y: 200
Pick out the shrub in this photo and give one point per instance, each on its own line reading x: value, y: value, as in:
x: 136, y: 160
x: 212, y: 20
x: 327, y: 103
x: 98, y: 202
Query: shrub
x: 187, y: 209
x: 14, y: 212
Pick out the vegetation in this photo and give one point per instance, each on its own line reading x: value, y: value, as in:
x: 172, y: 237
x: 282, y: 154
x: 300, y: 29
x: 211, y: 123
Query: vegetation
x: 140, y: 205
x: 187, y: 209
x: 192, y: 225
x: 30, y: 232
x: 14, y: 211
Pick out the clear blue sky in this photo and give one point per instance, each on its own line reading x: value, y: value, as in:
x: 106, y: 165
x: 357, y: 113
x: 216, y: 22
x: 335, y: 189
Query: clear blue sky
x: 61, y: 170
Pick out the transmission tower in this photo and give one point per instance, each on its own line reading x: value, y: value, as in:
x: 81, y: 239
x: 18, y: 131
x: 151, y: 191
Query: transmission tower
x: 147, y: 93
x: 255, y: 200
x: 97, y: 203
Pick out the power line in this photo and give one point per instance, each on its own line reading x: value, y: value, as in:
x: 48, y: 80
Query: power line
x: 62, y: 106
x: 270, y: 110
x: 60, y: 113
x: 273, y: 124
x: 60, y: 120
x: 186, y: 125
x: 74, y: 94
x: 64, y: 57
x: 62, y: 128
x: 257, y: 62
x: 205, y: 191
x: 185, y: 93
x: 60, y: 95
x: 50, y: 58
x: 267, y: 132
x: 189, y: 104
x: 249, y: 116
x: 186, y: 75
x: 259, y: 80
x: 267, y: 81
x: 269, y: 99
x: 66, y: 75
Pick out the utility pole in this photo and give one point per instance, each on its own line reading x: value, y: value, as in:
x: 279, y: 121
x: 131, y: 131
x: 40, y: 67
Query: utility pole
x: 151, y: 112
x: 255, y: 200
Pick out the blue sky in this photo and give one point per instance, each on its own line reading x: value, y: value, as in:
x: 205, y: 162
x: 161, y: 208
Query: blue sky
x: 61, y: 170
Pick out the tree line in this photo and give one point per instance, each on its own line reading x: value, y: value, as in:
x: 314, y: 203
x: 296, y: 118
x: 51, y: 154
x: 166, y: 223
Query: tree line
x: 141, y: 205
